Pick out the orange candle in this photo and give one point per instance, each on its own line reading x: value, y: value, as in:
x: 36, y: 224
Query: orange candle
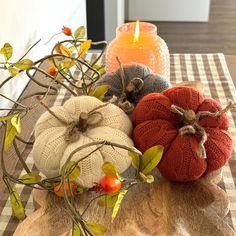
x: 138, y: 43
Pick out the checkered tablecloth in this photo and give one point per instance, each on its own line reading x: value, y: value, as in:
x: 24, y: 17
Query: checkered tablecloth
x: 212, y: 71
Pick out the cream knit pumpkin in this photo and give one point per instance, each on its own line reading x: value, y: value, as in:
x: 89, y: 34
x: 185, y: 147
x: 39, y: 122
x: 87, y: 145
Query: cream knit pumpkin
x: 51, y: 149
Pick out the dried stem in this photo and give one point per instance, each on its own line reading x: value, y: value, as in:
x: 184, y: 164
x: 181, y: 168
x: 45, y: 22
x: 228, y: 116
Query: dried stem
x: 24, y: 141
x: 17, y: 103
x: 51, y: 112
x: 30, y: 49
x: 20, y: 157
x: 122, y: 75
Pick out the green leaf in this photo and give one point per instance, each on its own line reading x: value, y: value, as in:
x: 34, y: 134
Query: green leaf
x: 96, y: 228
x: 3, y: 118
x: 7, y: 51
x: 80, y: 32
x: 73, y: 170
x: 111, y: 170
x: 16, y: 205
x: 135, y: 159
x: 118, y: 203
x: 10, y: 135
x: 84, y: 47
x: 30, y: 178
x: 100, y: 92
x: 151, y: 158
x: 24, y: 64
x: 16, y: 122
x: 76, y: 230
x: 108, y: 200
x: 13, y: 71
x: 147, y: 178
x: 101, y: 69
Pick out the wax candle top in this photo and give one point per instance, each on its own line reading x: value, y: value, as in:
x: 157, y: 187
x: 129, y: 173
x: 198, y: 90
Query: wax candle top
x: 129, y: 29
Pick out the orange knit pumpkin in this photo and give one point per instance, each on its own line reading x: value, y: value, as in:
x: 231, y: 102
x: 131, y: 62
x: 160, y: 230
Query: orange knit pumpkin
x: 156, y: 123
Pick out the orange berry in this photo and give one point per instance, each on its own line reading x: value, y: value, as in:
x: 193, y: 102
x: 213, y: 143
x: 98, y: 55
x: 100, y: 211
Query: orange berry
x: 67, y: 31
x: 110, y: 184
x: 52, y: 71
x: 59, y: 191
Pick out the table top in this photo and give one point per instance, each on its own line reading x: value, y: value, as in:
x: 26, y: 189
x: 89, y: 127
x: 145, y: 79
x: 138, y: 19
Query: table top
x: 210, y: 69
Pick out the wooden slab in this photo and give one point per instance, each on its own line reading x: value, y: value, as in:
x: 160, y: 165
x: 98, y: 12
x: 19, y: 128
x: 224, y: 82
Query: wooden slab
x: 163, y: 208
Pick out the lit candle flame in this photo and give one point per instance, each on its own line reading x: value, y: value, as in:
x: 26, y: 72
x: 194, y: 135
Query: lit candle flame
x: 136, y: 32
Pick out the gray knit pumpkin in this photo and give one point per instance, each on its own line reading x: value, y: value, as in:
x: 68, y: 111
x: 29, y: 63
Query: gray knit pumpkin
x: 129, y: 84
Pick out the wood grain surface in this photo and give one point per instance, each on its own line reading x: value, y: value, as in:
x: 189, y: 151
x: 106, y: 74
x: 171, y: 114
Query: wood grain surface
x: 163, y: 208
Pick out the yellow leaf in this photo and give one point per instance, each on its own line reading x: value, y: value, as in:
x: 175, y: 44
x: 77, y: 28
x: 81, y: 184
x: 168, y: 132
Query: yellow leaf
x: 118, y: 203
x: 72, y: 48
x: 15, y: 121
x: 151, y: 158
x: 96, y: 228
x: 7, y: 51
x: 100, y: 92
x: 51, y: 62
x: 24, y: 64
x: 68, y: 63
x: 13, y: 71
x: 16, y: 205
x: 110, y: 170
x: 3, y: 118
x: 62, y: 49
x: 10, y: 135
x: 80, y: 32
x: 84, y: 47
x: 76, y: 230
x: 30, y: 178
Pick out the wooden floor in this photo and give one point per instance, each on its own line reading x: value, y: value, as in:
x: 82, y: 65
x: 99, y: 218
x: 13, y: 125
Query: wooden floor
x: 218, y: 35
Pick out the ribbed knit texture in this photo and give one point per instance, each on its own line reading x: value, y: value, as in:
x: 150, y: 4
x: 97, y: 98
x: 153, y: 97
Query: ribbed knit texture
x: 152, y: 82
x: 155, y: 124
x: 51, y: 150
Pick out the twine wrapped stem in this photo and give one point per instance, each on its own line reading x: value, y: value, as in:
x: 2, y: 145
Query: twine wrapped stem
x: 191, y: 119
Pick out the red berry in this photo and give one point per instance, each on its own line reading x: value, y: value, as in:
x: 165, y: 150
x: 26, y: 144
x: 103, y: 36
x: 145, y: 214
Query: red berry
x: 67, y: 31
x: 52, y: 71
x: 110, y: 184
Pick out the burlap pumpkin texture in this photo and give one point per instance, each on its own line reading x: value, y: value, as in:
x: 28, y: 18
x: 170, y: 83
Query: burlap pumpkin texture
x: 155, y: 123
x: 52, y: 146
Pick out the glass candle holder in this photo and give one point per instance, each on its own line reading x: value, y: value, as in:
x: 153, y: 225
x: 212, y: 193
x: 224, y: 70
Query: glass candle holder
x: 149, y: 49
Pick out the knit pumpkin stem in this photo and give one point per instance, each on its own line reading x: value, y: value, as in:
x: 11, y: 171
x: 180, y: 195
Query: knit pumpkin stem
x: 82, y: 124
x: 189, y: 117
x: 191, y: 125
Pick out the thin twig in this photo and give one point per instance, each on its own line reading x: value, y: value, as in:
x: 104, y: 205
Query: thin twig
x: 20, y: 157
x: 51, y: 112
x: 122, y: 75
x: 23, y: 141
x: 90, y: 202
x: 19, y: 104
x: 30, y: 49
